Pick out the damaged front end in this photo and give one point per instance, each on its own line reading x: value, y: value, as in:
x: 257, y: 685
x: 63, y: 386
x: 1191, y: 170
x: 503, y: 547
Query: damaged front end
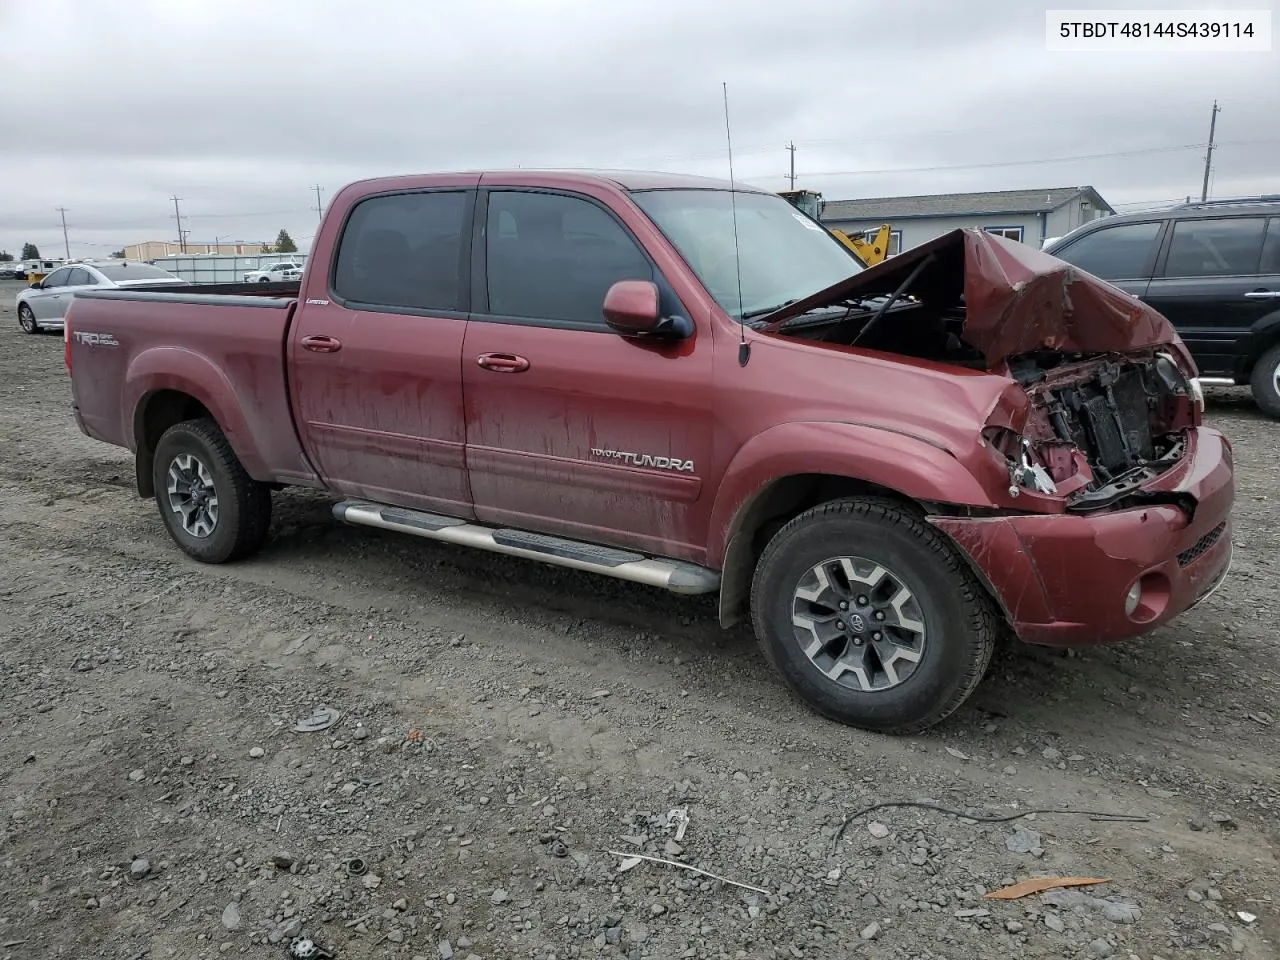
x: 1102, y: 393
x: 1096, y: 430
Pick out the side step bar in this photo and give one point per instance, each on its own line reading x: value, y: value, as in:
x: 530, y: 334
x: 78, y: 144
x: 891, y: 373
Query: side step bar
x: 674, y: 575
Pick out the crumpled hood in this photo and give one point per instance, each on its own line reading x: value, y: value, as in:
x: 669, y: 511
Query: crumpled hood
x: 1017, y: 299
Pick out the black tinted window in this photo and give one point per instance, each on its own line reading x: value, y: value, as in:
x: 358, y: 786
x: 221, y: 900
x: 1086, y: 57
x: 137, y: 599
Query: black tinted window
x: 1271, y: 248
x: 1113, y: 253
x: 404, y: 251
x: 1215, y: 248
x: 80, y: 278
x: 554, y: 257
x: 58, y: 278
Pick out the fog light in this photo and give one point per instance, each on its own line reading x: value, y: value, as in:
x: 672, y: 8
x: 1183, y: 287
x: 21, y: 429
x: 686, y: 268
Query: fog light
x: 1132, y: 597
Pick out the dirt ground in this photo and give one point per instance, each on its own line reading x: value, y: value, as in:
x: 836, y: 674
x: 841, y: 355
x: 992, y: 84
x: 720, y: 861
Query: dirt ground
x: 505, y: 725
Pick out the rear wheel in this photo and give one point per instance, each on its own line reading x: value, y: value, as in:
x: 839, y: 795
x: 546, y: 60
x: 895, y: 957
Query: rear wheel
x: 213, y: 510
x: 1265, y: 382
x: 27, y: 320
x: 869, y: 614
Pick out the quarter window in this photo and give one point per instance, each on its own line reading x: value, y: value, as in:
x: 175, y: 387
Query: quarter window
x: 553, y: 257
x: 404, y: 250
x: 1114, y: 253
x: 1215, y: 248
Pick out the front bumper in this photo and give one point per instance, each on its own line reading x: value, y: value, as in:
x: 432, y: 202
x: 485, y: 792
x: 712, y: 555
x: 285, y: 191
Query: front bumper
x: 1063, y: 579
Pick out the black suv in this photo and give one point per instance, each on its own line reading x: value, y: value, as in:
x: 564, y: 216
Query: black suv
x: 1212, y: 268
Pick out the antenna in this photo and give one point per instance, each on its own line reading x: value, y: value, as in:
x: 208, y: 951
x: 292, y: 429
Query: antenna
x: 744, y: 348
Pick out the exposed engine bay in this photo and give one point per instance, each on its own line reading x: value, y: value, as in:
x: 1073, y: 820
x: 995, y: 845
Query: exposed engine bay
x: 1099, y: 428
x: 1110, y: 400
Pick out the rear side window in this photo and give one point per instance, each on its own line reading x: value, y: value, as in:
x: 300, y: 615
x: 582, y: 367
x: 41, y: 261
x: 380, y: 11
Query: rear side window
x: 1114, y: 253
x: 1271, y: 248
x: 404, y: 250
x: 552, y: 257
x: 1215, y: 248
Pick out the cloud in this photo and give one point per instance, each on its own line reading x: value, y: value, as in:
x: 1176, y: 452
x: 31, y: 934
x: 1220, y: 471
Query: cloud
x: 241, y: 108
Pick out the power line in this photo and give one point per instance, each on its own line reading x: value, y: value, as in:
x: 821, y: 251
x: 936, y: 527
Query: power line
x: 1010, y: 163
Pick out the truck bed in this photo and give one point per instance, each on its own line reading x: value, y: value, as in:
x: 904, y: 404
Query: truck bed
x: 212, y: 343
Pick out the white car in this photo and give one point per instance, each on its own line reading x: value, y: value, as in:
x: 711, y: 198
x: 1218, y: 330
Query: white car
x: 275, y: 273
x: 43, y: 305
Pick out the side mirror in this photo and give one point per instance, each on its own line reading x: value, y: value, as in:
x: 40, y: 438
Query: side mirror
x: 37, y: 285
x: 631, y: 308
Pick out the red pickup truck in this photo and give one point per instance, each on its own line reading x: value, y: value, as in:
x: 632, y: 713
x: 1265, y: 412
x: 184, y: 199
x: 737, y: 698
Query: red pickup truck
x: 695, y: 387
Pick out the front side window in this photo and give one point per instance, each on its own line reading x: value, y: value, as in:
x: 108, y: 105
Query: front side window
x: 553, y: 257
x: 404, y: 250
x: 80, y: 278
x: 1114, y: 253
x: 776, y: 253
x: 59, y: 278
x: 1215, y: 248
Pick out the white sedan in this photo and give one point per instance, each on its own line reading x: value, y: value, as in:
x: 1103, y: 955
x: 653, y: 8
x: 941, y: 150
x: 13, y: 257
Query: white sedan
x: 43, y: 305
x: 276, y: 273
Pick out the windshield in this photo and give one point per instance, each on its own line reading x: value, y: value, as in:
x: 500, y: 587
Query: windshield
x: 132, y: 271
x: 782, y: 254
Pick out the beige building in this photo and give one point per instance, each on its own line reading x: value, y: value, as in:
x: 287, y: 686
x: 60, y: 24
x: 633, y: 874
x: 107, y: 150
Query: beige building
x: 159, y: 249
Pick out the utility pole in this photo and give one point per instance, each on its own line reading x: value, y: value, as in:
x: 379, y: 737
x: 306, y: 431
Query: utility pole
x: 1208, y: 157
x: 66, y: 244
x: 177, y: 215
x: 319, y: 212
x: 791, y: 148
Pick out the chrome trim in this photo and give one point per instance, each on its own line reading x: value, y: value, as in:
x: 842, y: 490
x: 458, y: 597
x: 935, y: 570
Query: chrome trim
x: 673, y: 575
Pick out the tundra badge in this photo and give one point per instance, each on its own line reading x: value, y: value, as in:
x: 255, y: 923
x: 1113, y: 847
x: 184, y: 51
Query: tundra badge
x: 644, y: 460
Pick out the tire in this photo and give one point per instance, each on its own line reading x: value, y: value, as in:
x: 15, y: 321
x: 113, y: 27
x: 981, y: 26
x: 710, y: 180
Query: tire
x: 264, y: 279
x: 1265, y: 382
x: 27, y: 320
x: 957, y: 620
x: 235, y: 524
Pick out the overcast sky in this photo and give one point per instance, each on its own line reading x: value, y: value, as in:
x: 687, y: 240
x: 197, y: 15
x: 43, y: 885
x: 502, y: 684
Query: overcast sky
x: 110, y: 108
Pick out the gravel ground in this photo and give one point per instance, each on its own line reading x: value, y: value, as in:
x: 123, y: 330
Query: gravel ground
x: 505, y: 725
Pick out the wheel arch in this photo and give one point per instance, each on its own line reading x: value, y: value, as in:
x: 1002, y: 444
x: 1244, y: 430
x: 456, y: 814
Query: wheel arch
x: 168, y: 382
x: 1264, y: 335
x: 786, y: 470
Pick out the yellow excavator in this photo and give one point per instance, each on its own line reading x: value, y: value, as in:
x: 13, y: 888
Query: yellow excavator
x: 869, y: 252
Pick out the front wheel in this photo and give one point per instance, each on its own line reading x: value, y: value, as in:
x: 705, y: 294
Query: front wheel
x: 27, y: 320
x: 1265, y: 382
x: 212, y: 509
x: 869, y: 614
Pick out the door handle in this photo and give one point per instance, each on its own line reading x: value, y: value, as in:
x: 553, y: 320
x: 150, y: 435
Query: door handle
x: 1263, y: 294
x: 322, y: 344
x: 503, y: 362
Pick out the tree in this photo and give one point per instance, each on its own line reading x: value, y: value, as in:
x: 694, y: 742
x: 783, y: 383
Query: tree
x: 284, y: 242
x: 118, y: 255
x: 266, y: 248
x: 30, y: 251
x: 6, y: 256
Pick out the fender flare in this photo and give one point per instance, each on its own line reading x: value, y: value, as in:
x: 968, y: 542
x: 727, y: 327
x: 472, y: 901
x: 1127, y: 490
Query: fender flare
x: 900, y: 462
x: 185, y: 371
